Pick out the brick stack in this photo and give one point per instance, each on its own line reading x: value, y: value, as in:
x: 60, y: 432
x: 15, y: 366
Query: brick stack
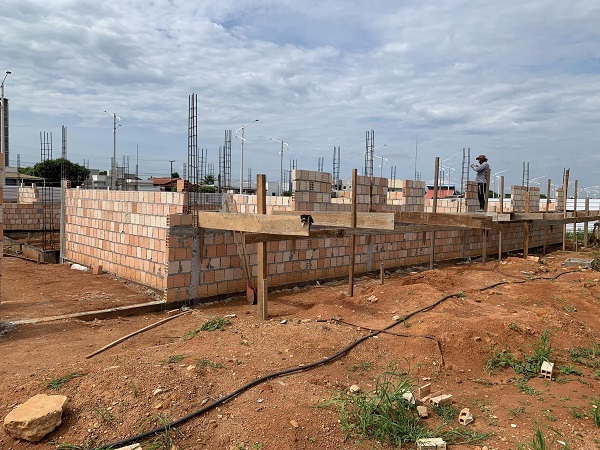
x: 311, y: 191
x: 517, y: 198
x: 410, y: 196
x: 26, y: 194
x: 560, y: 200
x: 246, y: 204
x: 534, y: 199
x: 471, y: 198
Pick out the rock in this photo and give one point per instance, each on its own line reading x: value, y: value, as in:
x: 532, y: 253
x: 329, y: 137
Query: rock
x: 422, y: 411
x: 372, y: 299
x: 283, y: 321
x: 35, y: 418
x: 158, y: 391
x: 229, y: 316
x: 294, y: 423
x: 355, y: 388
x: 396, y: 318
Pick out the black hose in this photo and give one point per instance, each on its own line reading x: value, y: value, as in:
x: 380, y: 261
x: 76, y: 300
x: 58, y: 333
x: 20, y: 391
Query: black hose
x: 329, y: 359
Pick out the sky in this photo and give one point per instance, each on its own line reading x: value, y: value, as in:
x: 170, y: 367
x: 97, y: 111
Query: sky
x: 516, y: 81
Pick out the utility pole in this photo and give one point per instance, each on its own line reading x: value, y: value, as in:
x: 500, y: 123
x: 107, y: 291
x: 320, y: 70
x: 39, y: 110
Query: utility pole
x: 2, y: 138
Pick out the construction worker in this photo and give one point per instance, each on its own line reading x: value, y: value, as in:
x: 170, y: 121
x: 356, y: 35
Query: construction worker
x: 482, y: 170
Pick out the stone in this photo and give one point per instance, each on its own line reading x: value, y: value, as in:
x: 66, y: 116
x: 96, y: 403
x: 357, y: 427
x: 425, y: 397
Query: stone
x: 422, y: 411
x: 294, y: 423
x: 355, y: 388
x: 35, y: 418
x: 409, y: 397
x: 372, y: 299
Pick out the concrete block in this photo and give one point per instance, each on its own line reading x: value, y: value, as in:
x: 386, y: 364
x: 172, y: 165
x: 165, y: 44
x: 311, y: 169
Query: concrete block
x: 440, y: 400
x: 431, y: 444
x: 465, y: 417
x: 424, y: 391
x: 546, y: 370
x: 422, y: 411
x: 97, y: 270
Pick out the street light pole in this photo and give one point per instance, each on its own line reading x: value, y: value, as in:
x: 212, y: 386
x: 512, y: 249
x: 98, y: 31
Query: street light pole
x: 113, y: 166
x: 171, y: 174
x: 281, y: 164
x: 2, y: 138
x: 242, y: 153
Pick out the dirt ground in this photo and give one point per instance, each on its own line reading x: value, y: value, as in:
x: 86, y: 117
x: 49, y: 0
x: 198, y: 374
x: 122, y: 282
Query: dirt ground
x: 170, y: 371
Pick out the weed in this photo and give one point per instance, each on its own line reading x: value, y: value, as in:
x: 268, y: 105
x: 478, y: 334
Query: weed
x: 257, y: 446
x: 244, y: 341
x: 448, y: 413
x: 538, y: 442
x: 134, y: 388
x: 577, y: 412
x: 105, y: 415
x: 595, y: 411
x: 381, y: 415
x: 57, y: 383
x: 500, y: 359
x: 458, y: 436
x: 542, y: 351
x: 484, y: 406
x: 551, y: 417
x: 163, y: 440
x: 484, y: 381
x: 597, y: 375
x: 406, y: 324
x: 588, y: 356
x: 363, y: 366
x: 203, y: 363
x: 212, y: 324
x: 570, y: 370
x: 514, y: 326
x: 524, y: 387
x: 515, y: 412
x: 87, y: 445
x: 173, y: 359
x: 561, y: 380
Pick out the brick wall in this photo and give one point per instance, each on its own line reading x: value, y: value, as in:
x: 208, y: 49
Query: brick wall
x: 123, y: 231
x: 28, y: 216
x: 410, y: 196
x: 217, y: 265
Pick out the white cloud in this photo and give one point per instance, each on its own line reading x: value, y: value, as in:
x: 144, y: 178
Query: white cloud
x: 516, y: 80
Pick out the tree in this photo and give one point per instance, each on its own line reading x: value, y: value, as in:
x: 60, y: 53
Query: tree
x: 51, y: 170
x: 209, y: 179
x: 175, y: 175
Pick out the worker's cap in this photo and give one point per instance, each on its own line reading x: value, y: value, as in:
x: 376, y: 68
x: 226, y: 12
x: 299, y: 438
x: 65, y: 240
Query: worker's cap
x: 483, y: 157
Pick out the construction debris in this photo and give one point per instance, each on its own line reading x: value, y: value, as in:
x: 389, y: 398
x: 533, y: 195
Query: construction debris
x: 465, y: 417
x: 431, y: 444
x: 546, y: 370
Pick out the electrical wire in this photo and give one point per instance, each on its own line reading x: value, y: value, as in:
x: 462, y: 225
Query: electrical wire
x: 329, y: 359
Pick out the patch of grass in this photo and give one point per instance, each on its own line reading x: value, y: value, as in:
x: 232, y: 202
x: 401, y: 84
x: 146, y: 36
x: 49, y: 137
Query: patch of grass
x: 542, y: 351
x: 597, y: 375
x: 163, y: 440
x: 382, y: 415
x: 173, y: 359
x: 570, y: 370
x: 204, y: 363
x: 577, y: 412
x: 463, y: 435
x: 363, y: 366
x: 257, y: 446
x: 87, y: 445
x: 587, y: 356
x: 448, y: 413
x: 539, y: 442
x: 213, y: 324
x: 525, y: 388
x: 595, y: 411
x: 104, y: 415
x: 515, y: 412
x: 515, y: 327
x: 500, y: 359
x: 57, y: 383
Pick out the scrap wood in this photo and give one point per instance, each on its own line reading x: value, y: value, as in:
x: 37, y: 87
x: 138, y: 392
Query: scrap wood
x: 124, y: 338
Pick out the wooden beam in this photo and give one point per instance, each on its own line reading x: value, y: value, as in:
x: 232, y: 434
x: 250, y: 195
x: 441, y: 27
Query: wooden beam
x: 434, y: 209
x: 291, y: 226
x: 444, y: 219
x: 565, y: 197
x: 253, y: 238
x: 372, y: 220
x: 585, y: 224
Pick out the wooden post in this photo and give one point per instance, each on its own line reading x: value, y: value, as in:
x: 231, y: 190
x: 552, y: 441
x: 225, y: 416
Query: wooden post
x: 381, y: 272
x: 500, y: 244
x: 565, y: 189
x: 548, y: 195
x: 545, y: 239
x: 434, y: 210
x: 585, y: 224
x: 526, y: 243
x: 502, y: 193
x: 353, y: 236
x: 575, y: 213
x: 484, y: 247
x: 487, y: 190
x: 261, y: 249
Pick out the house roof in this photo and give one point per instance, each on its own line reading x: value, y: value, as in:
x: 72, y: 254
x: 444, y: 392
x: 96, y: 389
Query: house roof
x: 163, y: 181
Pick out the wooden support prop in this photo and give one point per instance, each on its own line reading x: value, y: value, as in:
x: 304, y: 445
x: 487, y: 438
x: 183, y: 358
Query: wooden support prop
x: 381, y: 272
x: 500, y: 245
x: 484, y: 247
x: 585, y: 224
x: 124, y: 338
x: 548, y: 195
x: 526, y: 239
x: 487, y: 189
x: 262, y: 273
x: 435, y: 194
x: 288, y: 225
x: 527, y: 202
x: 353, y: 236
x: 502, y: 194
x: 545, y: 240
x: 565, y: 189
x: 575, y: 214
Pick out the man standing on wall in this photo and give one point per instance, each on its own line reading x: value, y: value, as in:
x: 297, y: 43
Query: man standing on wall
x: 482, y: 175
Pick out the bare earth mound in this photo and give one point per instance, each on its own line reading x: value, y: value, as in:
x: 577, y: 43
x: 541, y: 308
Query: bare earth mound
x: 175, y: 369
